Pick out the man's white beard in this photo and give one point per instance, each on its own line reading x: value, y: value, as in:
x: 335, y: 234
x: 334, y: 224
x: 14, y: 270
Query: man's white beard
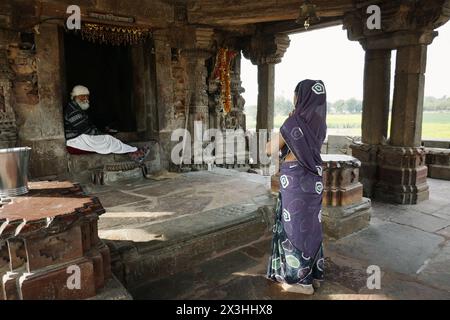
x: 83, y: 105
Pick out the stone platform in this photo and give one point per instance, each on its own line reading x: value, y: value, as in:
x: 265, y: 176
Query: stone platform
x: 410, y: 244
x: 49, y: 245
x: 158, y: 228
x: 438, y: 162
x: 90, y: 167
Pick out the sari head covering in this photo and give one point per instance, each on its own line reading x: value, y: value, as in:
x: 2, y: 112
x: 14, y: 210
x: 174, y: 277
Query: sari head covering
x: 305, y: 131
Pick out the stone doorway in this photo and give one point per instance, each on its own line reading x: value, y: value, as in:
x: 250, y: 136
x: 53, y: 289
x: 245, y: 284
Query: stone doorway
x: 107, y: 71
x: 121, y: 82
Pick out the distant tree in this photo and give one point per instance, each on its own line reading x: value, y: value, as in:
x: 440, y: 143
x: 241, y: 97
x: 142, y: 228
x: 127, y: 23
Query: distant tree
x: 283, y: 106
x: 340, y: 106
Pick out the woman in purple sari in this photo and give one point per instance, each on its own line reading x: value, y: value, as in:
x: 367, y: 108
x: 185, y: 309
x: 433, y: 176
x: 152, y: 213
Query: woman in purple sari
x: 297, y: 260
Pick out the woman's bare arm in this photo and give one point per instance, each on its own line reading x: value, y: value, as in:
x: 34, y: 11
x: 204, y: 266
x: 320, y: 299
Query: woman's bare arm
x: 272, y: 147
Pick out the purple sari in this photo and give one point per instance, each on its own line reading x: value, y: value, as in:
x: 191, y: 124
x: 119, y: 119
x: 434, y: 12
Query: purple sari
x: 297, y: 254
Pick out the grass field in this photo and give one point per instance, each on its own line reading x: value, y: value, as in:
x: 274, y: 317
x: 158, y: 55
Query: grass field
x: 435, y: 125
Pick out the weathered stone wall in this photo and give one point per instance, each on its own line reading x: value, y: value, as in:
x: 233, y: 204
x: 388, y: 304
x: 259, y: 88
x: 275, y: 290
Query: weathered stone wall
x: 180, y: 87
x: 176, y: 76
x: 37, y: 89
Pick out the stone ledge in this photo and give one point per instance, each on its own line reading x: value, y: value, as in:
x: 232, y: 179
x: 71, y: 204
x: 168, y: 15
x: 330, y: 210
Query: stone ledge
x: 339, y: 222
x: 113, y: 290
x: 183, y: 242
x: 439, y: 172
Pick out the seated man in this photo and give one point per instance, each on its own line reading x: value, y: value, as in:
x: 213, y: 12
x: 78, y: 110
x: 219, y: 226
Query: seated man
x: 82, y: 134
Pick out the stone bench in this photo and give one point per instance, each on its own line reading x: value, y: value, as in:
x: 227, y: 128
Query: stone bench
x: 111, y: 168
x: 438, y: 162
x: 345, y: 210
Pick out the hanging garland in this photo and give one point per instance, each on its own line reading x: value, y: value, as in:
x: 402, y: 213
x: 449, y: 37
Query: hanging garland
x: 222, y: 72
x: 114, y: 35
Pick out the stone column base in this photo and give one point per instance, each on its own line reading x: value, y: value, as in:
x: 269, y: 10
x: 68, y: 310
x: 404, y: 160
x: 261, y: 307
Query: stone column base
x: 367, y: 154
x: 402, y: 175
x: 339, y: 222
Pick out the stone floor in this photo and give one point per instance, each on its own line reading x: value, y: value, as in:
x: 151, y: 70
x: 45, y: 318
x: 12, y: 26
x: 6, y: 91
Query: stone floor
x: 144, y: 202
x: 410, y: 244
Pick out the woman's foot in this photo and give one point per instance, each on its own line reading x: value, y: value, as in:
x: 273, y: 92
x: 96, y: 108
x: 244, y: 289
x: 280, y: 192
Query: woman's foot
x: 298, y: 288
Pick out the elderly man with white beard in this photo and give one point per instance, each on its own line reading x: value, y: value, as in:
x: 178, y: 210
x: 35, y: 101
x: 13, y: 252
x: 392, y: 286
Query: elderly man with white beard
x: 82, y: 134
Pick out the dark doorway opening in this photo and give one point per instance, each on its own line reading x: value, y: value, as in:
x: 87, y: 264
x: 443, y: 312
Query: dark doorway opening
x: 108, y: 73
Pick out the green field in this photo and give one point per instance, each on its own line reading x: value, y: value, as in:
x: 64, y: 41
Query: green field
x: 435, y: 125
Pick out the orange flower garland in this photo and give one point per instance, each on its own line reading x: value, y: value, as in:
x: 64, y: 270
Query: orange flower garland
x: 222, y: 72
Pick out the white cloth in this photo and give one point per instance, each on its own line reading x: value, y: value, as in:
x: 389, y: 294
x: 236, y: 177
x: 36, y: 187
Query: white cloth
x: 103, y: 144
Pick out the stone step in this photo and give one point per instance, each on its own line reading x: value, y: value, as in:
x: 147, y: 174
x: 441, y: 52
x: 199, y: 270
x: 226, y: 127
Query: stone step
x: 81, y: 167
x: 162, y: 249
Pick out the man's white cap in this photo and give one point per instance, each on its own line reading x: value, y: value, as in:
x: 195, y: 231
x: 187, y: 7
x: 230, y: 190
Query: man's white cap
x: 79, y: 91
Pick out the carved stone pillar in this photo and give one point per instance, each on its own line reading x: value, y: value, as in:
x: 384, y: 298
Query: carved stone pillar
x: 265, y: 51
x: 377, y: 86
x: 266, y: 96
x: 395, y: 172
x: 8, y: 128
x: 375, y: 115
x: 407, y: 110
x: 195, y: 56
x: 164, y: 93
x: 198, y: 96
x: 402, y: 173
x: 236, y: 118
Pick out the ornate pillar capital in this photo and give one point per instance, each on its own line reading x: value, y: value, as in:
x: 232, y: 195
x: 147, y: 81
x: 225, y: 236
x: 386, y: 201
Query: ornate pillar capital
x: 200, y: 44
x: 403, y: 23
x: 266, y: 48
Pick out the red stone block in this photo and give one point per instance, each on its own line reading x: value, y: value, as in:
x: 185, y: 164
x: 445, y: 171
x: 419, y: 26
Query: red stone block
x: 97, y: 260
x: 53, y: 285
x: 17, y: 253
x: 86, y: 236
x: 44, y: 251
x: 4, y: 255
x: 9, y: 286
x: 50, y: 229
x: 94, y: 231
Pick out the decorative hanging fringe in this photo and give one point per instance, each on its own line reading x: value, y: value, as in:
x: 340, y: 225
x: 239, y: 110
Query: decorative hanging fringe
x: 114, y: 35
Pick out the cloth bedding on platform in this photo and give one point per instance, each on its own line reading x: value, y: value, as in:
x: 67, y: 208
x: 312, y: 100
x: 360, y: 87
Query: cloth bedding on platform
x: 103, y: 144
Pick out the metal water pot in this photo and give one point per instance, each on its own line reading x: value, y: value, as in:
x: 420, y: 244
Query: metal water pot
x: 14, y: 171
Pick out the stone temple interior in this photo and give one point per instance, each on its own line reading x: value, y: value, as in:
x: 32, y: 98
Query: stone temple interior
x: 165, y: 231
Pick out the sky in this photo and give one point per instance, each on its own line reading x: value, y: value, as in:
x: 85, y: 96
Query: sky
x: 327, y: 54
